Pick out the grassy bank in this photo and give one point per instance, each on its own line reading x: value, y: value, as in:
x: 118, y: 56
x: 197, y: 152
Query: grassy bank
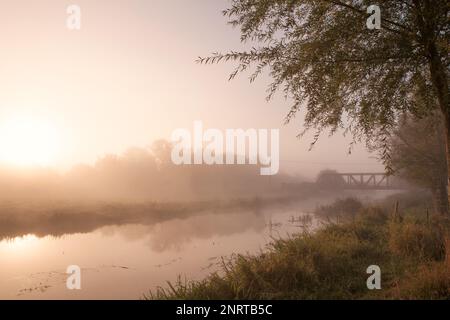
x: 332, y: 262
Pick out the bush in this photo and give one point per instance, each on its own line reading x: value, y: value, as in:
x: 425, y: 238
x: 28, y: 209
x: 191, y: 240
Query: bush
x: 342, y: 208
x: 374, y: 214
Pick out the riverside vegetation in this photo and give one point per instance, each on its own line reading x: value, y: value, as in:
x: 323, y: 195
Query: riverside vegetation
x: 410, y: 246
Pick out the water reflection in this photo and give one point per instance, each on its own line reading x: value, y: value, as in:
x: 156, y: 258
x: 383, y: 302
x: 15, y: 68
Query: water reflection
x: 177, y: 233
x: 59, y: 220
x: 123, y: 256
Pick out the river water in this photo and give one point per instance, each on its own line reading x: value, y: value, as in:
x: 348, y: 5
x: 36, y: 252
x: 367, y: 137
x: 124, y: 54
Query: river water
x: 126, y: 261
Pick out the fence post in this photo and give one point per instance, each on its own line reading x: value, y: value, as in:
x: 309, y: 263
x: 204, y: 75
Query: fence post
x: 395, y: 213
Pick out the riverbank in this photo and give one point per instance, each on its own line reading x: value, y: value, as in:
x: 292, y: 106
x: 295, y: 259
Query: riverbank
x: 409, y: 247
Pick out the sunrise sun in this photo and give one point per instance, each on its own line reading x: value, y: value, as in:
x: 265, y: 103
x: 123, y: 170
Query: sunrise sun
x: 28, y: 141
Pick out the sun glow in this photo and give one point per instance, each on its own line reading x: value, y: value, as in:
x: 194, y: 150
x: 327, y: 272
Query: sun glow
x: 28, y: 141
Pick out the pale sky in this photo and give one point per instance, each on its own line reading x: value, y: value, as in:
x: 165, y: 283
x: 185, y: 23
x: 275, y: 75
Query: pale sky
x: 129, y: 77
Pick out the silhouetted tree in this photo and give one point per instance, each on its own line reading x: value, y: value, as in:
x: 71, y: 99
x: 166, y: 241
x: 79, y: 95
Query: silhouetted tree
x: 330, y: 179
x: 161, y: 150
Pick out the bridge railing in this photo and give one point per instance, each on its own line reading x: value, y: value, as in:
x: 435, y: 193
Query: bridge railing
x: 365, y: 180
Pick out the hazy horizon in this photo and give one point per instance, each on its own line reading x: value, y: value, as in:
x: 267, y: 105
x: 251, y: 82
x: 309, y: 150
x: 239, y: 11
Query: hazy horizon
x: 129, y: 78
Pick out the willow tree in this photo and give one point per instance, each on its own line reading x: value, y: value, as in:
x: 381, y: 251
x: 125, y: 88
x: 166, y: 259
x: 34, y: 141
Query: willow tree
x: 346, y: 76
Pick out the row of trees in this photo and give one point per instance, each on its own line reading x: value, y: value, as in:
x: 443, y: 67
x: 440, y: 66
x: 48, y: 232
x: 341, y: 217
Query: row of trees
x: 374, y: 84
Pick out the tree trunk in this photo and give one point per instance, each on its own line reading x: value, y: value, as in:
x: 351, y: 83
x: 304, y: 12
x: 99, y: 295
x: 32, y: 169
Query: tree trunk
x: 440, y: 84
x: 440, y: 198
x: 444, y: 106
x: 438, y: 71
x: 447, y: 125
